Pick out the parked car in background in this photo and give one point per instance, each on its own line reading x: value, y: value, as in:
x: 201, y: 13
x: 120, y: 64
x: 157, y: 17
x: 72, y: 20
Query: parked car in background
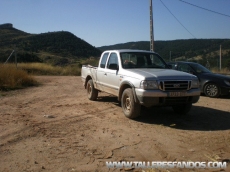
x: 211, y: 84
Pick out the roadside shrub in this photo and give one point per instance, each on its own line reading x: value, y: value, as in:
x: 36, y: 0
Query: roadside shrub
x: 47, y: 69
x: 13, y: 78
x: 91, y: 61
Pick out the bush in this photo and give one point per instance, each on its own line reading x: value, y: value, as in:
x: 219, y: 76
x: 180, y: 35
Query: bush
x: 47, y: 69
x: 13, y: 78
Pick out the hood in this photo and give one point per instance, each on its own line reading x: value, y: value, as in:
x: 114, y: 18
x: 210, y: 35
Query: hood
x: 160, y: 74
x: 218, y: 76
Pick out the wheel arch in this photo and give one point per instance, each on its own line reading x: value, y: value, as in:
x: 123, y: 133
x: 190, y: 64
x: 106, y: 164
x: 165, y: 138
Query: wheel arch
x: 125, y: 85
x: 86, y: 80
x: 209, y: 82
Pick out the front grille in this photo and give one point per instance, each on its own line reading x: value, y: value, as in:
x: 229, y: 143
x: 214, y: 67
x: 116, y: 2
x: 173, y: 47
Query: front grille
x: 174, y: 85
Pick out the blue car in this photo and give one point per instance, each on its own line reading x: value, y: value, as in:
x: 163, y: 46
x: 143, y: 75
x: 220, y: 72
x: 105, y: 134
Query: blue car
x: 211, y: 84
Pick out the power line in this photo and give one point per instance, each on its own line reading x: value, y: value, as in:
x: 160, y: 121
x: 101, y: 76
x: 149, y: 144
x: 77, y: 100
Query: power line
x: 205, y: 9
x: 151, y: 27
x: 177, y: 19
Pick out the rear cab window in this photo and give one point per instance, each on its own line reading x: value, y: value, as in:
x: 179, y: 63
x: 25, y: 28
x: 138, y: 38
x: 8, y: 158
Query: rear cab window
x: 103, y: 60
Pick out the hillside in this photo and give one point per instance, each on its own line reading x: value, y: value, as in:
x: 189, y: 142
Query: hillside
x: 62, y: 48
x: 198, y: 50
x: 54, y: 47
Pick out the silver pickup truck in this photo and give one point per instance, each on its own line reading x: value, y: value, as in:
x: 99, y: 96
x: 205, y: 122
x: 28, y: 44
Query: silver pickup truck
x: 138, y: 78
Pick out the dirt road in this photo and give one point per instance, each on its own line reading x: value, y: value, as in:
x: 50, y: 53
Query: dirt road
x: 54, y: 127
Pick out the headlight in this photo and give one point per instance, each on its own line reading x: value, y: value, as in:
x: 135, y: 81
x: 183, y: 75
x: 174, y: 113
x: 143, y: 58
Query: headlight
x: 148, y: 85
x: 195, y: 84
x: 227, y: 82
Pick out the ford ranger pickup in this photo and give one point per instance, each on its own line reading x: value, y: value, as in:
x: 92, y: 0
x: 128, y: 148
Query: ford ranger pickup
x: 140, y: 78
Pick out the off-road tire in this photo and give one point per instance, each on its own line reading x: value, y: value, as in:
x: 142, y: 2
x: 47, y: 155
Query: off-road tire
x: 130, y: 108
x: 91, y: 91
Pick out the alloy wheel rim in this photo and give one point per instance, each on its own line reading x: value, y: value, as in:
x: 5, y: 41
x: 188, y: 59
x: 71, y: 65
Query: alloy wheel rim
x: 212, y: 90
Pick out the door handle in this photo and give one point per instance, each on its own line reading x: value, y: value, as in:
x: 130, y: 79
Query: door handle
x: 105, y: 74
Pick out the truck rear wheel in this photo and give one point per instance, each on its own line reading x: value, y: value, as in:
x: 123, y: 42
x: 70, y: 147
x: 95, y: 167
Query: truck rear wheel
x: 130, y: 108
x: 91, y: 91
x: 182, y: 109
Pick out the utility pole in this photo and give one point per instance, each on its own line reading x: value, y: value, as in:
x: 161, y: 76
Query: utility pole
x: 9, y: 57
x: 16, y: 58
x: 220, y: 57
x: 170, y: 56
x: 151, y: 27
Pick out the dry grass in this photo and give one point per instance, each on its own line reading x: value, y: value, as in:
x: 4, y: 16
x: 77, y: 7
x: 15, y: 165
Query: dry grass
x: 13, y: 78
x: 222, y: 71
x: 47, y: 69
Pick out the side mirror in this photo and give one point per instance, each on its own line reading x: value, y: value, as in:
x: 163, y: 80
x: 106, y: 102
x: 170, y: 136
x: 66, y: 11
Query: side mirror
x: 113, y: 66
x: 170, y: 66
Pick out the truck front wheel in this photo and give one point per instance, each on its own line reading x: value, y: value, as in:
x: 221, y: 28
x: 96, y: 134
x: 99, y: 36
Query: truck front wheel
x: 182, y: 109
x: 130, y: 108
x: 91, y: 91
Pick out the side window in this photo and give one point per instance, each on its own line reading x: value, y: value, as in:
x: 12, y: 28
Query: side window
x: 113, y: 61
x: 174, y: 66
x: 103, y: 60
x: 184, y: 68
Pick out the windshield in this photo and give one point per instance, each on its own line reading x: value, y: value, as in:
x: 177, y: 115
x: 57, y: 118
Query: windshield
x: 199, y: 68
x: 141, y: 60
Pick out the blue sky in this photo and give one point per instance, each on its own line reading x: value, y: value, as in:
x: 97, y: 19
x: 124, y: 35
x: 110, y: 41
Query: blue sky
x: 108, y: 22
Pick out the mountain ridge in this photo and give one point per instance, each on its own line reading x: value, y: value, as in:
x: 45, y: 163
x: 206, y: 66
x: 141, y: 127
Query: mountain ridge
x: 63, y: 48
x: 45, y: 47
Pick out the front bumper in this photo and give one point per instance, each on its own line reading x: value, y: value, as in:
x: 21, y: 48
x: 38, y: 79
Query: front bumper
x: 162, y: 98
